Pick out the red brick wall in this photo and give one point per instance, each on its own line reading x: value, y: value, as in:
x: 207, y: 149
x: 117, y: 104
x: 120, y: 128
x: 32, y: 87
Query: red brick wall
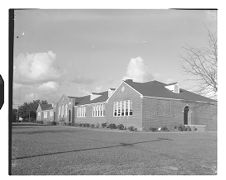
x: 45, y: 120
x: 205, y: 114
x: 49, y: 118
x: 128, y: 94
x: 166, y: 112
x: 63, y: 101
x: 88, y: 119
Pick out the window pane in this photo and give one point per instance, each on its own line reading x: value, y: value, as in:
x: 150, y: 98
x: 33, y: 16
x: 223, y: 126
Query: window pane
x: 131, y: 108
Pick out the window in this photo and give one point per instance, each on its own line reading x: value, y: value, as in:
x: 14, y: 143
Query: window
x: 131, y: 109
x: 102, y: 110
x: 122, y: 108
x: 117, y: 108
x: 114, y: 109
x: 45, y: 114
x: 39, y: 114
x: 66, y: 110
x: 51, y: 113
x: 98, y: 110
x: 59, y: 110
x: 62, y: 111
x: 81, y: 111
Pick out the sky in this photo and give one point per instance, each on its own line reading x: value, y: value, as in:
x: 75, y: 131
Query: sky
x: 76, y: 52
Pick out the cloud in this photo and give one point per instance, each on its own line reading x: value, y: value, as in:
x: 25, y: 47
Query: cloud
x: 98, y: 88
x: 31, y: 96
x: 82, y: 80
x: 35, y: 68
x: 50, y: 85
x: 138, y: 71
x: 169, y: 80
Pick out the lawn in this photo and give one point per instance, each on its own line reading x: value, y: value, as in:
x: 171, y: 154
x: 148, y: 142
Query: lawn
x: 72, y: 150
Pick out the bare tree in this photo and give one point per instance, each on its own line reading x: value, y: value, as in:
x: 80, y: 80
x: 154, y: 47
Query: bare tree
x: 201, y: 63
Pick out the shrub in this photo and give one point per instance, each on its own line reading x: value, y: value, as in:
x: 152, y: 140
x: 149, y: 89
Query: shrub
x: 80, y: 124
x: 188, y: 128
x: 164, y: 128
x: 97, y: 125
x: 153, y: 129
x: 121, y: 127
x: 195, y: 129
x: 104, y: 125
x: 184, y: 128
x: 92, y: 126
x: 181, y: 128
x: 131, y: 128
x: 40, y: 122
x: 112, y: 126
x: 175, y: 127
x: 76, y: 124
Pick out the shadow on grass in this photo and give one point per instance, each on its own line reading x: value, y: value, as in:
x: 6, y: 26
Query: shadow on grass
x: 89, y: 149
x: 45, y: 131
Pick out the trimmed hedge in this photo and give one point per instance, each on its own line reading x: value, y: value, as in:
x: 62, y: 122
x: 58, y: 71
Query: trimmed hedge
x: 131, y: 128
x: 153, y: 129
x: 121, y: 127
x: 104, y: 125
x: 112, y: 126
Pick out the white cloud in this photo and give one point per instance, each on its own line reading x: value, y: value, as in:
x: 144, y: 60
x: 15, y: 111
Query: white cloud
x: 31, y: 97
x: 169, y: 80
x: 98, y: 88
x: 137, y: 71
x: 35, y: 68
x: 50, y: 85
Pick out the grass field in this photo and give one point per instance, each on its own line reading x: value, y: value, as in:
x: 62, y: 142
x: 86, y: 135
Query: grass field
x: 70, y: 150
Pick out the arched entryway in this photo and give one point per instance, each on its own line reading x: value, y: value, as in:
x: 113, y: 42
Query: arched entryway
x: 69, y: 116
x: 186, y: 110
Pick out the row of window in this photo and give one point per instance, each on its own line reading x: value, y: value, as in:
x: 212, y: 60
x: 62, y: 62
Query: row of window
x: 45, y: 115
x: 62, y: 110
x: 120, y: 108
x: 98, y: 110
x: 81, y: 111
x: 123, y: 108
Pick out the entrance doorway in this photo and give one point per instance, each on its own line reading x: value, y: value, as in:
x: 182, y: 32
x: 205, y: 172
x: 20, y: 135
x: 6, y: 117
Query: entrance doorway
x: 69, y: 116
x: 186, y: 109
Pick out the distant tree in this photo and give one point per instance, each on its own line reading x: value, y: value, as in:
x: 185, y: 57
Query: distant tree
x: 28, y: 110
x: 201, y: 63
x: 15, y: 115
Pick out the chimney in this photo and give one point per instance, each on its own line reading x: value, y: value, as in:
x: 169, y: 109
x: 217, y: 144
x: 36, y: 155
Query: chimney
x: 129, y: 80
x: 110, y: 91
x: 94, y: 95
x: 174, y: 87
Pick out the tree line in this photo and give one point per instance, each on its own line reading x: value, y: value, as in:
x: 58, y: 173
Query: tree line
x: 27, y: 111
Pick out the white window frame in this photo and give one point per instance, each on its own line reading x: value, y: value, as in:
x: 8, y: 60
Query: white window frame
x: 81, y: 111
x: 131, y: 108
x: 120, y: 107
x: 62, y: 111
x: 125, y: 105
x: 59, y: 111
x: 128, y: 103
x: 45, y: 115
x: 113, y: 109
x: 66, y: 110
x: 51, y: 113
x: 117, y: 105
